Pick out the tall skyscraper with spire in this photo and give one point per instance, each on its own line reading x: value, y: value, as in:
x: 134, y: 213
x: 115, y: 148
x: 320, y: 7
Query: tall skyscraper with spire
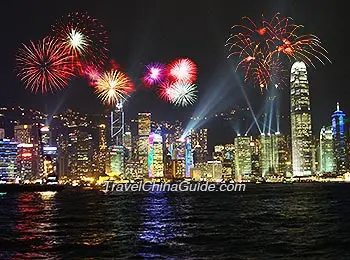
x: 300, y: 120
x: 339, y: 143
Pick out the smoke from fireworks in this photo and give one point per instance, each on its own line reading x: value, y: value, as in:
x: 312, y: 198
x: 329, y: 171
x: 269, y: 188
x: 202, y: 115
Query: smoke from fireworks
x: 85, y: 38
x: 45, y: 65
x: 183, y: 93
x: 261, y: 47
x: 113, y: 86
x: 182, y: 70
x: 155, y: 74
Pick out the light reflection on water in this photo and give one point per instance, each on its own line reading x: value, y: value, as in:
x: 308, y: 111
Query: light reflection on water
x: 282, y: 221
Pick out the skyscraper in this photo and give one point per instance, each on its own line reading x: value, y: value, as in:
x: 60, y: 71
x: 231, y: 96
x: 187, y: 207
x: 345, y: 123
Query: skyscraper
x: 155, y: 156
x: 144, y: 129
x: 300, y: 120
x: 338, y: 118
x: 326, y: 153
x: 243, y: 159
x: 268, y: 154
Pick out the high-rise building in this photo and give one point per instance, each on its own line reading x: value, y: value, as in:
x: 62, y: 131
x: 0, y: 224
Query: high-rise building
x: 144, y: 129
x: 8, y: 161
x: 84, y: 154
x: 243, y: 160
x: 144, y: 124
x: 199, y: 139
x: 23, y: 134
x: 268, y: 155
x: 128, y: 141
x: 339, y: 138
x: 155, y: 156
x: 326, y: 152
x: 283, y: 153
x: 300, y: 121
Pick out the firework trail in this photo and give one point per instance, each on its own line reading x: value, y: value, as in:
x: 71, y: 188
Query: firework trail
x: 45, y: 65
x: 165, y: 91
x: 261, y: 48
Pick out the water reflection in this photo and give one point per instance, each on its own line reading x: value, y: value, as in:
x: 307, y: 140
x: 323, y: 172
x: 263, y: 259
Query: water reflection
x: 34, y: 227
x: 160, y: 226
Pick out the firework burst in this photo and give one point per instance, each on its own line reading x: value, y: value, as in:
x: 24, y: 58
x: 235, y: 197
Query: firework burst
x: 45, y: 65
x: 183, y: 93
x: 85, y: 38
x: 155, y: 74
x: 113, y: 86
x: 182, y: 70
x: 261, y: 46
x: 165, y: 91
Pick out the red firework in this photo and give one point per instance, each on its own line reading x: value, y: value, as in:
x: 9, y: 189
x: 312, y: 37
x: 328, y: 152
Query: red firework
x: 45, y: 65
x: 182, y: 69
x: 259, y: 46
x: 85, y: 38
x: 165, y: 91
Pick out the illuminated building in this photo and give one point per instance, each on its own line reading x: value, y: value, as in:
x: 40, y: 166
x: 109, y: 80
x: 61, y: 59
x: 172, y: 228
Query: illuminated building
x: 128, y: 141
x: 228, y: 161
x: 283, y: 153
x: 300, y: 121
x: 214, y: 171
x: 23, y: 134
x: 243, y: 160
x: 2, y: 133
x: 268, y: 155
x: 218, y: 154
x: 117, y: 163
x: 45, y: 136
x: 339, y: 139
x: 155, y: 156
x: 8, y: 161
x: 144, y: 128
x: 255, y: 152
x: 326, y: 152
x: 50, y: 160
x: 144, y: 124
x: 101, y: 151
x: 79, y: 154
x: 200, y: 145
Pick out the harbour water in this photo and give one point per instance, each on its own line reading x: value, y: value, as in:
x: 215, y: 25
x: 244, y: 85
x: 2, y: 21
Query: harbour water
x: 267, y: 221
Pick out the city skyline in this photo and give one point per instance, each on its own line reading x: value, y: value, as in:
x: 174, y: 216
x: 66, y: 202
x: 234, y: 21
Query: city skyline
x: 215, y: 73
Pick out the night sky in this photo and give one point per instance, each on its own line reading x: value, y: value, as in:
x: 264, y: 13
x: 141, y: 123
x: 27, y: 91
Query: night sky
x: 146, y: 31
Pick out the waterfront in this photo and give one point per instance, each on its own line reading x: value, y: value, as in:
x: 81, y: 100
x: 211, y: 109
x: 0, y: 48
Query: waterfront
x: 289, y: 221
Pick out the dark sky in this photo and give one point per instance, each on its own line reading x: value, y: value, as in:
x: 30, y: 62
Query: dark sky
x: 145, y: 31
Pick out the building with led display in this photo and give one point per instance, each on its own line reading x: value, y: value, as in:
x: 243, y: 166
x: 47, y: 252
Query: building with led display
x: 300, y: 121
x: 8, y: 161
x: 155, y: 156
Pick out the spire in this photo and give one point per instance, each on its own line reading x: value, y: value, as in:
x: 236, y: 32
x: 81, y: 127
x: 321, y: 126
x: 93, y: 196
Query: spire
x: 337, y: 106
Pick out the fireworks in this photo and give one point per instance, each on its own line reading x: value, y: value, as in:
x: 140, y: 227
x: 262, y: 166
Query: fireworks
x: 260, y: 48
x: 183, y: 93
x: 183, y: 70
x: 113, y: 86
x: 45, y: 65
x: 155, y: 74
x: 165, y: 91
x: 85, y: 38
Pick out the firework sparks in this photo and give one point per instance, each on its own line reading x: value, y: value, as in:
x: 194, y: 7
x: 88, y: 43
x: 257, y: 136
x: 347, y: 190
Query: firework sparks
x: 85, y: 37
x: 183, y: 70
x: 113, y: 86
x: 155, y: 73
x: 183, y: 93
x: 165, y: 91
x: 45, y: 65
x: 259, y: 47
